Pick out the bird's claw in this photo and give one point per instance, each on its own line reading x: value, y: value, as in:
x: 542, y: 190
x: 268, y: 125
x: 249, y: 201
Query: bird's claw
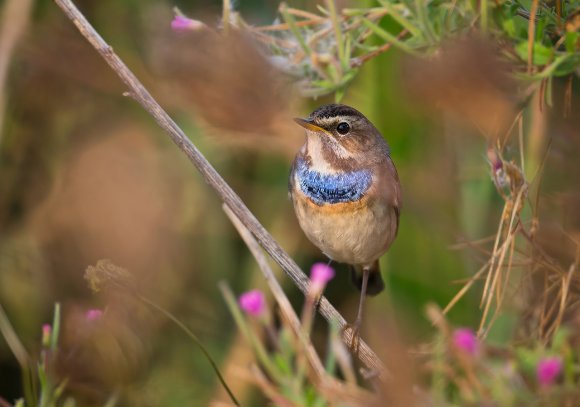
x: 354, y: 341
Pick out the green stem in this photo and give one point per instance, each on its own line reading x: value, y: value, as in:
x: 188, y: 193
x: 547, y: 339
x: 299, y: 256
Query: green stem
x: 289, y: 19
x: 55, y: 328
x: 330, y: 362
x: 337, y: 34
x: 483, y: 15
x: 425, y: 21
x: 261, y: 352
x: 398, y: 17
x: 389, y: 37
x: 19, y: 352
x: 226, y: 16
x: 547, y: 71
x: 361, y: 11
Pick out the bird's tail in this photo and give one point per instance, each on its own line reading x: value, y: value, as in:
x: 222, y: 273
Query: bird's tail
x: 375, y: 284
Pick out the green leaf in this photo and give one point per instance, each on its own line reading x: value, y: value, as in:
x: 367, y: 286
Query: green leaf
x: 560, y: 339
x: 541, y: 54
x: 509, y: 26
x: 282, y: 365
x: 568, y: 65
x: 398, y: 17
x: 339, y: 94
x: 527, y: 358
x: 388, y: 37
x: 572, y: 40
x: 540, y: 27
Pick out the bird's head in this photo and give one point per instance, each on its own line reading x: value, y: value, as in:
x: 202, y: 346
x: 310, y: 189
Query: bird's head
x: 338, y: 133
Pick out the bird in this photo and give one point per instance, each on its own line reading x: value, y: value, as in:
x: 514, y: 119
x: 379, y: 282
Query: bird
x: 346, y: 194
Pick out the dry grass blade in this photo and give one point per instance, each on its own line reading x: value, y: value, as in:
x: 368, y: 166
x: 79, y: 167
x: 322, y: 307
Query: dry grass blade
x: 495, y: 273
x: 358, y: 61
x: 310, y: 19
x: 465, y: 288
x: 563, y: 295
x: 494, y: 251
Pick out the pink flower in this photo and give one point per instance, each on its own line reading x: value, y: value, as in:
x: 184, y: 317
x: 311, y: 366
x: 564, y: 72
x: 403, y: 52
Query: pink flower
x: 465, y: 340
x: 46, y: 334
x: 548, y: 370
x: 253, y: 302
x: 320, y: 274
x: 182, y: 23
x: 93, y: 314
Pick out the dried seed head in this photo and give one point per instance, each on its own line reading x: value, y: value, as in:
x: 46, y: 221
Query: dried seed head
x: 106, y: 274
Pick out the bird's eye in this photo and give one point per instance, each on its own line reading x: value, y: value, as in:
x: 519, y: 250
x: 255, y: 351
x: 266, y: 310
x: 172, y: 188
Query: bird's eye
x: 343, y: 128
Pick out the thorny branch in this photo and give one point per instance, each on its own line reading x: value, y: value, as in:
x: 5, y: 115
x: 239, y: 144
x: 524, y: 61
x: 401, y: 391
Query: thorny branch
x: 366, y: 355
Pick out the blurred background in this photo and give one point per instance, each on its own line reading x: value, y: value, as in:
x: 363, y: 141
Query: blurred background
x: 86, y: 174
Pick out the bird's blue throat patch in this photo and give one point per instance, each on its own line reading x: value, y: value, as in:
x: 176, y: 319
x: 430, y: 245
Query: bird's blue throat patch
x: 329, y: 189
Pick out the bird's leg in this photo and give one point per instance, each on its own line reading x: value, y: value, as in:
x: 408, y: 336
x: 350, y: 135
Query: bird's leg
x: 363, y: 294
x: 355, y: 327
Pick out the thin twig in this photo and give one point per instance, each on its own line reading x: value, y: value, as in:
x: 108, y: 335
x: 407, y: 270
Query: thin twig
x: 532, y: 35
x: 358, y: 61
x: 366, y: 355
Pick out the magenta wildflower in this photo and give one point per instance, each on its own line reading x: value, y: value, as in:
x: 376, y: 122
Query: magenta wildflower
x: 548, y: 370
x: 320, y: 274
x: 46, y: 334
x: 182, y: 23
x: 93, y: 314
x: 253, y: 302
x: 465, y: 340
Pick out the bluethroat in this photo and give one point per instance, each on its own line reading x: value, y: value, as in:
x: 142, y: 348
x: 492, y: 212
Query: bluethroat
x: 346, y: 193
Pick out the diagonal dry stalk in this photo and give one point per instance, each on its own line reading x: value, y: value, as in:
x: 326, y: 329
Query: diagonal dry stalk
x: 286, y: 308
x: 321, y: 378
x: 138, y: 92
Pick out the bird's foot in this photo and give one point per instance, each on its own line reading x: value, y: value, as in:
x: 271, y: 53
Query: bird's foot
x: 354, y: 341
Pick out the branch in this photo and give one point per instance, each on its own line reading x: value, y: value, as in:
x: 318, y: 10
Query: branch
x: 211, y: 176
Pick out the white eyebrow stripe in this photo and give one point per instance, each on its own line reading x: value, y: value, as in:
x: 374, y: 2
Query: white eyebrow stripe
x: 335, y: 119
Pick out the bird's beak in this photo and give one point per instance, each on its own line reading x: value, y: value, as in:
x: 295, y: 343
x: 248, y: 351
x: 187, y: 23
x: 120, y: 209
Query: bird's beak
x: 309, y: 125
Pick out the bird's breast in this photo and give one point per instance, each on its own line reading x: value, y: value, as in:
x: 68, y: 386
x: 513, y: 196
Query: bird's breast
x: 357, y: 232
x: 331, y: 188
